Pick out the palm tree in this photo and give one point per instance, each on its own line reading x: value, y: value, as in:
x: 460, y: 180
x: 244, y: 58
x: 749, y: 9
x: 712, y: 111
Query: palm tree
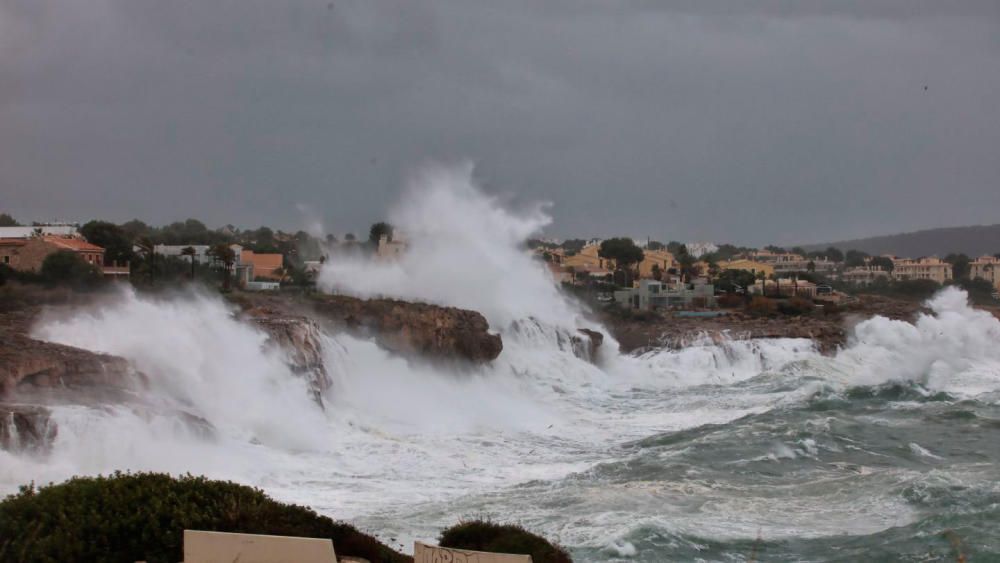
x: 223, y: 253
x: 191, y: 252
x: 148, y: 251
x: 763, y: 282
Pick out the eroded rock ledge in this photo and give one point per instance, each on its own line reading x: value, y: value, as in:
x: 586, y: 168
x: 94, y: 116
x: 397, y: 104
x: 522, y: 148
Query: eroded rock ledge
x: 25, y: 361
x: 408, y: 328
x: 414, y: 329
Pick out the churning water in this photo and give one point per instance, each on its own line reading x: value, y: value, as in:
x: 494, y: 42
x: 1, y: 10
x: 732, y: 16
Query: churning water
x: 887, y: 450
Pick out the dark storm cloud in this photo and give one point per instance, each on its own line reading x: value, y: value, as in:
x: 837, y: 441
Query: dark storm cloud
x: 746, y: 121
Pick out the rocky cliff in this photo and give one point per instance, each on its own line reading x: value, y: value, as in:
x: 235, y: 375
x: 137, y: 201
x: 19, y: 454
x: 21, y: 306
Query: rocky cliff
x: 26, y: 362
x: 414, y: 329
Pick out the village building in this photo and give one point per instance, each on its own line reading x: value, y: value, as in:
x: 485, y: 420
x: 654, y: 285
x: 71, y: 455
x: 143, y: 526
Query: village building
x: 821, y: 265
x: 986, y: 268
x: 260, y: 266
x: 864, y: 275
x: 390, y: 249
x: 657, y: 260
x: 202, y: 252
x: 785, y: 287
x: 932, y: 268
x: 559, y: 274
x: 751, y: 266
x: 653, y: 294
x: 28, y: 254
x: 588, y: 259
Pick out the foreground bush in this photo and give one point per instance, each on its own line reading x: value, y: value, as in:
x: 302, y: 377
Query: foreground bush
x: 136, y: 517
x: 478, y: 535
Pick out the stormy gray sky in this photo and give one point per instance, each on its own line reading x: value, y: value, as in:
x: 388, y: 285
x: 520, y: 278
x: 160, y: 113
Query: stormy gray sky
x: 745, y: 121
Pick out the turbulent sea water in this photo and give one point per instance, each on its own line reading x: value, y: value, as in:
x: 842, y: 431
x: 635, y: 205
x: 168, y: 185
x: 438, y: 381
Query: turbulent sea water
x: 742, y: 450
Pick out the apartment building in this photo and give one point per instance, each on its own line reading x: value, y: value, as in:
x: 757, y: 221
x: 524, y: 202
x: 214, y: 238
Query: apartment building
x: 932, y: 268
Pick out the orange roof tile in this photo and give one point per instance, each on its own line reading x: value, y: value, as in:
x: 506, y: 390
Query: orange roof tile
x: 262, y: 261
x: 75, y: 244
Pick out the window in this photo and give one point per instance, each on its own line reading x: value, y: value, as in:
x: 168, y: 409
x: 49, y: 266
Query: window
x: 6, y: 259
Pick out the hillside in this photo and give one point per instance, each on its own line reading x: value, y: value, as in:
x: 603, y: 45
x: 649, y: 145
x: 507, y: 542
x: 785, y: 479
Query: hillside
x: 974, y: 241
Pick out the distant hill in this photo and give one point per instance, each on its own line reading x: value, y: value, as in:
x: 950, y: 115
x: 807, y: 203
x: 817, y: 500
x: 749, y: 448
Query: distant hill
x: 974, y: 241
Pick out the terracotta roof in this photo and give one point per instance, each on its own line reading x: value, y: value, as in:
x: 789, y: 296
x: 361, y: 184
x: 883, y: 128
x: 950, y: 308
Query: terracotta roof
x: 12, y: 242
x: 262, y: 261
x: 75, y: 244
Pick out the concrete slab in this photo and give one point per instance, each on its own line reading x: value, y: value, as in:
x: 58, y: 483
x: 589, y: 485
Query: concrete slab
x: 433, y: 554
x: 223, y: 547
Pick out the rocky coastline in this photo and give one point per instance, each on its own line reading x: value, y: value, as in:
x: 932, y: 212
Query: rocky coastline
x: 829, y: 331
x: 35, y: 373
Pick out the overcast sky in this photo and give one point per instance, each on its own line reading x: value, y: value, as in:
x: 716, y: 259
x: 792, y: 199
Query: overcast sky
x: 774, y: 121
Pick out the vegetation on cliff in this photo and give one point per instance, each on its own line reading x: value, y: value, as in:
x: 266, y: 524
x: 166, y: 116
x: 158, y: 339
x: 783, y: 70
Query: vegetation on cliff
x: 479, y: 535
x: 136, y: 517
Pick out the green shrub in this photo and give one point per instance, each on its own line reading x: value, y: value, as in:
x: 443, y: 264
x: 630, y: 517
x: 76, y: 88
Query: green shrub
x: 69, y: 268
x: 795, y: 306
x: 134, y: 517
x: 479, y: 535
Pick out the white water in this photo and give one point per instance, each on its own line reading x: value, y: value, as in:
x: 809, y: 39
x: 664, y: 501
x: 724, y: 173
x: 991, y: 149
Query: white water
x: 408, y: 449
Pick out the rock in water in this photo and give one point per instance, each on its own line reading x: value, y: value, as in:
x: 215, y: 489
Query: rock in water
x: 26, y: 428
x: 299, y: 339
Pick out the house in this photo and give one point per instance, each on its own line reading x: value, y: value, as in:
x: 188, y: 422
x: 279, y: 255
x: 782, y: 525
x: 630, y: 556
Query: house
x: 653, y: 294
x: 28, y: 254
x: 785, y: 287
x: 986, y: 268
x: 390, y: 249
x: 789, y: 264
x: 657, y: 259
x: 202, y: 252
x: 264, y: 266
x: 558, y: 273
x: 864, y: 275
x: 587, y: 271
x: 768, y: 257
x: 932, y: 268
x: 751, y: 266
x: 588, y: 258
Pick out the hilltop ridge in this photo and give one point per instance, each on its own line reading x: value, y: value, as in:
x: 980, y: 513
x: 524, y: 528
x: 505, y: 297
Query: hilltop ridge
x: 973, y: 240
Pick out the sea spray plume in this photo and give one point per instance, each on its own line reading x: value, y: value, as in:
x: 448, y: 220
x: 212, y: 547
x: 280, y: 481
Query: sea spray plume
x: 954, y: 349
x: 465, y: 250
x: 200, y: 357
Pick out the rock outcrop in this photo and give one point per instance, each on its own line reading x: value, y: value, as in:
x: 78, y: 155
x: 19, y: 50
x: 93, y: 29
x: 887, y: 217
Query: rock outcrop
x: 415, y: 328
x: 298, y: 338
x: 28, y: 363
x: 590, y: 341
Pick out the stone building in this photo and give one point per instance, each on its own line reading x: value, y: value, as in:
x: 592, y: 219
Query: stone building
x: 28, y: 254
